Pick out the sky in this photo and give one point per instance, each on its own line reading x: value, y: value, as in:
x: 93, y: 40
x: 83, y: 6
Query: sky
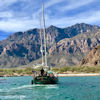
x: 22, y: 15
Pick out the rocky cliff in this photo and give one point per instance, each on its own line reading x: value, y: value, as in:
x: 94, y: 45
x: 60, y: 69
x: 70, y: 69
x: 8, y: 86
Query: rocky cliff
x: 93, y: 58
x: 65, y: 46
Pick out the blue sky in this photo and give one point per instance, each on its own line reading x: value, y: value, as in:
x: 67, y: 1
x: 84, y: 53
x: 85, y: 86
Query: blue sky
x: 21, y: 15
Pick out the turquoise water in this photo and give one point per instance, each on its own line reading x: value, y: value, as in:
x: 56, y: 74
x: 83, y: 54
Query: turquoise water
x: 69, y: 88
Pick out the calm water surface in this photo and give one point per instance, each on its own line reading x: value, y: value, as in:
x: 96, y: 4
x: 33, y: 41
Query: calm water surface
x: 69, y: 88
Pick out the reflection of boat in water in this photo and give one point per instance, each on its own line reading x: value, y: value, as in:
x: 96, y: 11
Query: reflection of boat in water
x: 46, y: 76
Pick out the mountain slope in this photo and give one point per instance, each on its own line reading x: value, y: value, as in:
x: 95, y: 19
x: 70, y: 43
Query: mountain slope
x: 75, y: 49
x: 93, y: 58
x: 71, y: 43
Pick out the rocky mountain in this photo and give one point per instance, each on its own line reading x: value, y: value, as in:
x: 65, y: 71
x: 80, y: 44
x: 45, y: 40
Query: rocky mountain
x: 93, y: 58
x: 73, y: 50
x: 65, y: 46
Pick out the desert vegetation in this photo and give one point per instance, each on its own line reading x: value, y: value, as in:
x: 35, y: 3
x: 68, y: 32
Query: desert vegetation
x: 75, y: 69
x: 28, y: 71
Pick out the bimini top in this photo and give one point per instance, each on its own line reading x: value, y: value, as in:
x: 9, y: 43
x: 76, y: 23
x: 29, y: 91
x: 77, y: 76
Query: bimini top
x: 50, y: 72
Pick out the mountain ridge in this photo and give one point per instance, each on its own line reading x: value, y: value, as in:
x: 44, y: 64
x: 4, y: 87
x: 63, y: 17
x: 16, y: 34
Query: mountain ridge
x: 22, y: 48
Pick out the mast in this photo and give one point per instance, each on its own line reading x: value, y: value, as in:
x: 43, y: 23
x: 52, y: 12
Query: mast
x: 44, y: 33
x: 41, y: 40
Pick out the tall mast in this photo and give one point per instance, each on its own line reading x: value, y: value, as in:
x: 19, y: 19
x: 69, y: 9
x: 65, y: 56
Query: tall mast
x: 44, y: 33
x: 41, y: 40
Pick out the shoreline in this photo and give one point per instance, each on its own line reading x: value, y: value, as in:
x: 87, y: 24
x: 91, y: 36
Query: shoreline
x: 78, y: 74
x: 61, y: 75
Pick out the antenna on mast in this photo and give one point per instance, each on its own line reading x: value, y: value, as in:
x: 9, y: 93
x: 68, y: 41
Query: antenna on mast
x: 41, y: 40
x: 44, y: 33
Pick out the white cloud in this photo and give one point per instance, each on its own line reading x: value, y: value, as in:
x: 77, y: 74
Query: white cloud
x: 48, y: 4
x: 26, y: 23
x: 6, y: 3
x: 73, y: 4
x: 14, y: 25
x: 6, y: 14
x: 52, y: 2
x: 27, y: 17
x: 91, y: 17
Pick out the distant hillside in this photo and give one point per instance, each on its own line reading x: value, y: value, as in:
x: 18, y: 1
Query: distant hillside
x: 65, y: 46
x: 93, y: 58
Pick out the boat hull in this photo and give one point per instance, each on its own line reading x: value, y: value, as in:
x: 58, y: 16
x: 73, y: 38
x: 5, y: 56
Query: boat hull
x: 45, y: 80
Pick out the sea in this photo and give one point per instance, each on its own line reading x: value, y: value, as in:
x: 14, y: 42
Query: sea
x: 68, y: 88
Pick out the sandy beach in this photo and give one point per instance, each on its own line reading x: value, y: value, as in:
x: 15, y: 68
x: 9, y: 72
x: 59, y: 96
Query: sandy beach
x: 59, y: 75
x: 79, y: 74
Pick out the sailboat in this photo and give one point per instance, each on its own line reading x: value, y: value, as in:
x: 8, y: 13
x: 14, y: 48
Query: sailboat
x: 46, y: 75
